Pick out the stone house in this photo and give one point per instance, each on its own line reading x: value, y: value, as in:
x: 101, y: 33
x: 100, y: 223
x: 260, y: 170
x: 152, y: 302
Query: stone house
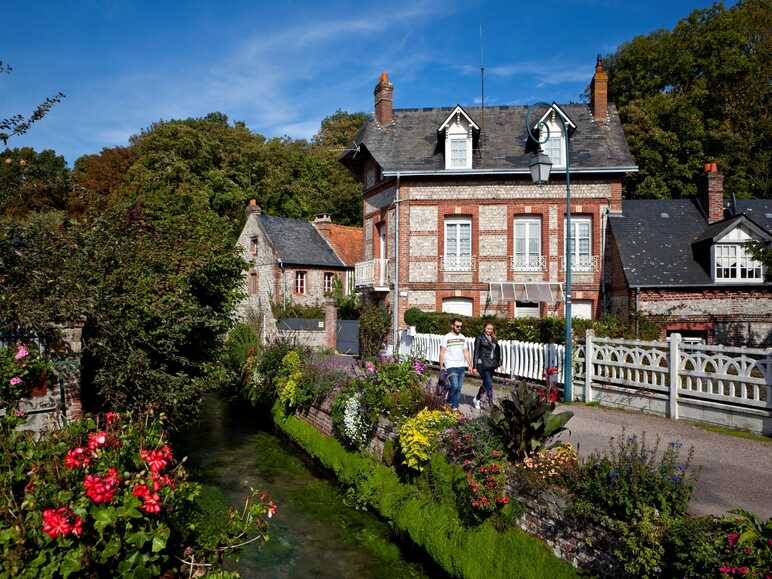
x: 451, y: 215
x: 684, y: 263
x: 292, y: 260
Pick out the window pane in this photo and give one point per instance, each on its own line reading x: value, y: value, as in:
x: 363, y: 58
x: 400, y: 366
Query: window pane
x: 458, y: 153
x: 450, y: 238
x: 465, y: 239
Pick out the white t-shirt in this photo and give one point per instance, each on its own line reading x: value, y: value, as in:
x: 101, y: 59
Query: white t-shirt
x: 454, y: 345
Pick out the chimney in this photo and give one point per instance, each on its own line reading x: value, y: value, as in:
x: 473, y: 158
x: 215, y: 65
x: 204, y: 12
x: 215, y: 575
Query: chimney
x: 712, y: 188
x: 599, y: 93
x: 253, y: 208
x: 322, y: 223
x: 384, y: 109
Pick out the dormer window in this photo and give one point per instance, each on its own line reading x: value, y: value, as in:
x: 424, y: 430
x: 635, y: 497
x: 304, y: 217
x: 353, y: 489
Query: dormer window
x: 553, y: 135
x: 457, y: 133
x: 732, y: 259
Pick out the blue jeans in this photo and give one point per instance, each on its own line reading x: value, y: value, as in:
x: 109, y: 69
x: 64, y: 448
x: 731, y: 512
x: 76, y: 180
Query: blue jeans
x: 487, y: 384
x: 456, y: 381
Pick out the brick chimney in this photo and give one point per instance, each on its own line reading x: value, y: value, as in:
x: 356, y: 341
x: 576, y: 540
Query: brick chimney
x: 384, y: 103
x: 253, y: 208
x: 599, y: 93
x: 711, y: 186
x: 323, y: 224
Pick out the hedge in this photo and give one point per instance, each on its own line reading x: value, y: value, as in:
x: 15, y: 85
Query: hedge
x: 477, y: 552
x: 545, y: 330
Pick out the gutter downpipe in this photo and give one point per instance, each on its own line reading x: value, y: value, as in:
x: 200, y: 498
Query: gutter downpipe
x: 395, y: 300
x: 637, y: 311
x: 283, y: 284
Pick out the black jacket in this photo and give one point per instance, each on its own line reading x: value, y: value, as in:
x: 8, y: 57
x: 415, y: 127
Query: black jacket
x: 487, y: 353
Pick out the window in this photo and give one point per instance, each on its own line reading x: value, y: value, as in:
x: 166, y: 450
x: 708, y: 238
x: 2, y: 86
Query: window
x: 581, y: 244
x: 553, y: 147
x: 733, y: 262
x: 300, y: 282
x: 458, y: 244
x: 527, y: 255
x: 526, y: 310
x: 252, y: 283
x: 458, y: 154
x: 581, y: 309
x: 458, y: 306
x: 370, y: 175
x: 253, y: 245
x: 328, y: 281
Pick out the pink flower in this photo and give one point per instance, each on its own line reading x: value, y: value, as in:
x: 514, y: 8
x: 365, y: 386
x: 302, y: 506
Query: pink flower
x: 77, y: 457
x: 15, y: 381
x: 21, y: 352
x: 271, y: 509
x: 731, y: 538
x: 743, y: 570
x: 102, y: 489
x: 61, y: 521
x: 96, y: 440
x: 370, y: 367
x: 152, y: 503
x: 111, y: 417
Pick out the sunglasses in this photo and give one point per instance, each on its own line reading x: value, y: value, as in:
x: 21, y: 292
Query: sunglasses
x: 457, y: 325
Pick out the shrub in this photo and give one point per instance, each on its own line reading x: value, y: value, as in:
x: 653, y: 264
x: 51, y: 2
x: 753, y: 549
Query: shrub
x: 552, y: 465
x: 374, y: 325
x: 287, y: 381
x: 693, y: 548
x: 292, y: 310
x: 105, y: 498
x: 261, y: 370
x: 242, y: 341
x: 525, y: 421
x: 22, y: 369
x: 418, y: 436
x: 747, y: 546
x: 630, y: 475
x: 320, y: 376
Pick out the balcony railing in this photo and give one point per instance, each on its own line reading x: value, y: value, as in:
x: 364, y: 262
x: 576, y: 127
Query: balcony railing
x: 581, y: 263
x: 458, y: 263
x: 372, y: 273
x: 529, y: 263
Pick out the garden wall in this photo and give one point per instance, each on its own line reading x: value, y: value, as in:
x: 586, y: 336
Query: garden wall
x: 545, y: 516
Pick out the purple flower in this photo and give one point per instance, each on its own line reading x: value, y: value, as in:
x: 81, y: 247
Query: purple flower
x: 15, y: 380
x: 419, y: 366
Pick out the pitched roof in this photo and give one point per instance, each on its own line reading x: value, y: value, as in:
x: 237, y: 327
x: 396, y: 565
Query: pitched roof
x: 297, y: 242
x: 346, y: 241
x: 656, y: 239
x: 410, y: 143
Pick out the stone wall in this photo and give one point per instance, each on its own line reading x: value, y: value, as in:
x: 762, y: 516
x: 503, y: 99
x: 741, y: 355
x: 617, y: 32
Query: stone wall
x: 545, y: 516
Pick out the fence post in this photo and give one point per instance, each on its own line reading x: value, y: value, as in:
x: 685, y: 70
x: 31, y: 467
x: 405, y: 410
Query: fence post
x: 588, y: 365
x: 674, y: 365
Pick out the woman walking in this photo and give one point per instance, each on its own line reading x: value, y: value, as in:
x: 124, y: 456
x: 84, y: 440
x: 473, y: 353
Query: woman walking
x: 487, y: 357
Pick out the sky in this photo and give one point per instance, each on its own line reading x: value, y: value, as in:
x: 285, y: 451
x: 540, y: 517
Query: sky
x: 281, y: 67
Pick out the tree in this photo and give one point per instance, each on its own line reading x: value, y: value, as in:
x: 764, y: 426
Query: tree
x: 31, y: 181
x: 19, y: 124
x: 698, y: 93
x: 339, y: 129
x: 99, y: 181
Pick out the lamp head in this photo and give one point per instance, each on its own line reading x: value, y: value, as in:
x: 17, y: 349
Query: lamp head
x: 540, y: 168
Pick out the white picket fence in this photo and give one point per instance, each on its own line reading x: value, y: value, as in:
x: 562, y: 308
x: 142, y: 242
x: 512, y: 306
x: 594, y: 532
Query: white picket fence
x: 712, y: 383
x: 519, y: 359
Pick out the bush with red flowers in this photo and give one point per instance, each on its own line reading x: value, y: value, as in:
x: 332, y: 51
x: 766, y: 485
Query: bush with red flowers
x: 105, y: 497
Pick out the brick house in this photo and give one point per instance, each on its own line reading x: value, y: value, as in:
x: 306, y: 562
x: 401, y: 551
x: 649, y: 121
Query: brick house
x: 292, y: 260
x: 684, y: 264
x: 451, y: 213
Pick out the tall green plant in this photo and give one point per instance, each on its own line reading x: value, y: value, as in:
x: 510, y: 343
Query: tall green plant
x: 525, y: 421
x: 374, y: 325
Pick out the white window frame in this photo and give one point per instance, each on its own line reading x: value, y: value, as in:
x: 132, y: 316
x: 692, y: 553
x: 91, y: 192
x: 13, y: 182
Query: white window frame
x: 741, y: 260
x: 253, y: 245
x: 581, y: 261
x: 527, y: 260
x: 555, y: 134
x: 455, y: 258
x: 328, y: 281
x: 458, y: 130
x: 300, y: 282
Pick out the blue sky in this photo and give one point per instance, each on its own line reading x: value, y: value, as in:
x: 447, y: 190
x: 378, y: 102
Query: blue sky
x: 283, y: 66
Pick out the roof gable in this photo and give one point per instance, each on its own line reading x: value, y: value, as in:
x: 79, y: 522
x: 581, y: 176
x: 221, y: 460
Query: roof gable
x: 458, y: 111
x: 554, y: 108
x: 297, y: 242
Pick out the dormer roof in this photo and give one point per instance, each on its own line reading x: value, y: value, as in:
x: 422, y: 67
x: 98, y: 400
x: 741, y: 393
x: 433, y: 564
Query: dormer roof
x: 458, y: 111
x: 552, y: 109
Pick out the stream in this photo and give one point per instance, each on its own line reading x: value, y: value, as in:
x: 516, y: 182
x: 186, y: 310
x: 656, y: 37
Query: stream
x: 315, y: 533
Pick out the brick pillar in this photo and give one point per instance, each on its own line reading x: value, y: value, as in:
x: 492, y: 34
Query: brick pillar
x: 616, y: 197
x: 712, y: 189
x: 69, y: 368
x: 330, y: 323
x: 384, y: 108
x: 599, y: 93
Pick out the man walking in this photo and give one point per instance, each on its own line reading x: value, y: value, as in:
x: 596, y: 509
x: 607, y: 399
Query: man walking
x: 455, y: 357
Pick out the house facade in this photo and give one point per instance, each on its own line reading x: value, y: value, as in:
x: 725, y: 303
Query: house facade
x: 292, y: 260
x: 453, y: 220
x: 684, y: 263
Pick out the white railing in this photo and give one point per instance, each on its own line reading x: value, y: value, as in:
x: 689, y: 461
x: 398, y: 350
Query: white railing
x: 518, y: 359
x: 529, y: 263
x: 581, y: 263
x: 372, y: 273
x: 458, y: 263
x: 720, y: 384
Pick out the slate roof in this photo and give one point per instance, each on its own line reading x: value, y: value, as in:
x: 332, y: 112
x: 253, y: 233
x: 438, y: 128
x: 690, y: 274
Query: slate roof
x: 297, y: 242
x: 666, y: 251
x: 410, y: 143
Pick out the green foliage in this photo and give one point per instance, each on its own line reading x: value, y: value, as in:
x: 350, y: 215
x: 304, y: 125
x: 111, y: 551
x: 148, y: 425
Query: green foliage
x: 480, y: 552
x: 374, y: 326
x: 242, y: 342
x: 693, y: 548
x: 319, y: 377
x: 747, y: 547
x: 289, y: 310
x: 419, y: 436
x: 32, y: 181
x: 544, y: 330
x: 349, y: 306
x: 694, y: 94
x: 525, y: 421
x: 22, y: 368
x: 632, y: 475
x: 104, y: 497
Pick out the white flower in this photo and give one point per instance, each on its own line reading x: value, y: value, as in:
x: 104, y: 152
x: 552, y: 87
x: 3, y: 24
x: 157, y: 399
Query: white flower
x: 354, y: 425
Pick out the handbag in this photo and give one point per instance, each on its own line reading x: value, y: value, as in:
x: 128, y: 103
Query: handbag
x: 442, y: 383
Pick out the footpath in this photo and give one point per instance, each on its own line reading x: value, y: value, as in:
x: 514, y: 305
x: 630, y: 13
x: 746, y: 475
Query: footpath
x: 732, y: 472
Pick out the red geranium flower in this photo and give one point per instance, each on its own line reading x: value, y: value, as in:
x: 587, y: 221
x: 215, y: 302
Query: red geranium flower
x: 102, y: 489
x: 112, y: 417
x: 77, y: 457
x: 61, y: 521
x: 96, y: 440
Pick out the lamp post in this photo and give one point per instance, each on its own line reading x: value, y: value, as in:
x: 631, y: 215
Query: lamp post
x: 540, y: 169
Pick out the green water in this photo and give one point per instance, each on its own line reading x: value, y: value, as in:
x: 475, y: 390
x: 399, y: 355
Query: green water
x: 314, y: 533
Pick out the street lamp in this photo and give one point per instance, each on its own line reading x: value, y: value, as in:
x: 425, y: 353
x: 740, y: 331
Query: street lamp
x: 540, y: 173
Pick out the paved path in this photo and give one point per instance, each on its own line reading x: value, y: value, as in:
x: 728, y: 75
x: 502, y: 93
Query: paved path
x: 734, y: 472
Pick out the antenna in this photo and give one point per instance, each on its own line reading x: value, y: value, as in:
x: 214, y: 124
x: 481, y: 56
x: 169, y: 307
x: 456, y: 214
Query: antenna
x: 482, y: 90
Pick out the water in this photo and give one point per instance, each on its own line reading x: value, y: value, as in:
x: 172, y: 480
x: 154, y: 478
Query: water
x: 314, y: 533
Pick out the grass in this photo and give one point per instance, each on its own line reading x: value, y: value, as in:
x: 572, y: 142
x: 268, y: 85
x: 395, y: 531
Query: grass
x: 476, y: 552
x: 732, y: 432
